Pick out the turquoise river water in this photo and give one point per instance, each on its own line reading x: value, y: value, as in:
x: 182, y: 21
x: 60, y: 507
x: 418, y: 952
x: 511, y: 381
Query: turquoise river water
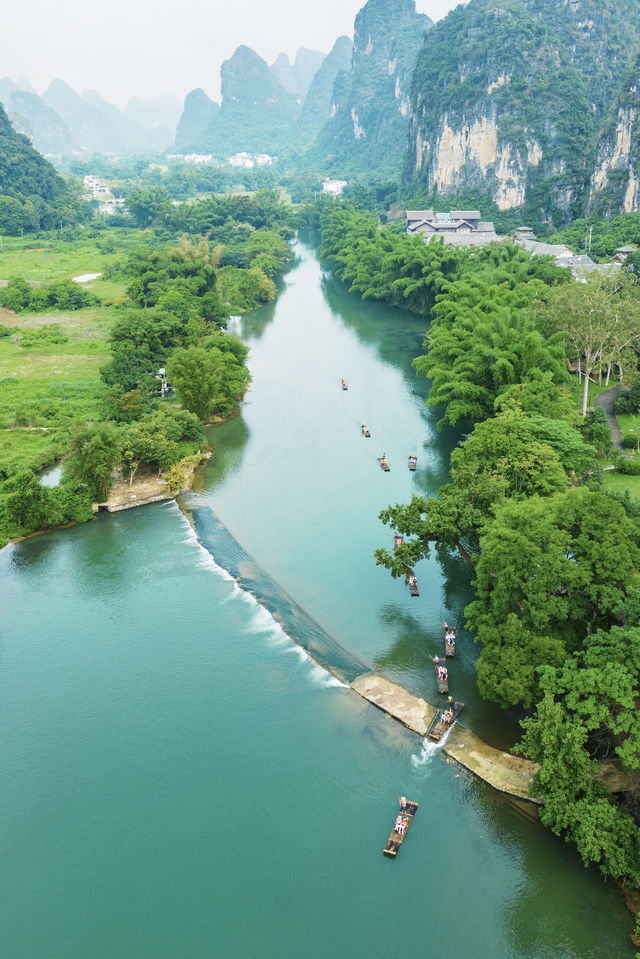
x: 180, y: 780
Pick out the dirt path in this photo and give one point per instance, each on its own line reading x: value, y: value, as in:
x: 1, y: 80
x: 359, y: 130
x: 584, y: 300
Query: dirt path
x: 605, y: 401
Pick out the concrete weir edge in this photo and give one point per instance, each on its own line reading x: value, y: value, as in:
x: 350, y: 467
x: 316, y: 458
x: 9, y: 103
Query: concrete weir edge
x: 504, y: 772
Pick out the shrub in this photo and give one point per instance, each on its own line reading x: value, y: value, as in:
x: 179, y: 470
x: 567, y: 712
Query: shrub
x: 630, y: 467
x: 631, y: 441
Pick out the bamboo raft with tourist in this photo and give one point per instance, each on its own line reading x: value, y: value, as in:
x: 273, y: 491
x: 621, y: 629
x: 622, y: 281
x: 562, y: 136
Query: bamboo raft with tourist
x: 449, y: 640
x: 442, y: 674
x: 364, y: 429
x: 445, y: 720
x: 345, y: 385
x: 413, y: 462
x: 401, y: 826
x: 412, y: 583
x: 383, y: 463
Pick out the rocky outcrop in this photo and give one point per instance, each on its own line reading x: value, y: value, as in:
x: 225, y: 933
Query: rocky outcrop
x: 256, y: 115
x: 497, y: 107
x: 370, y: 107
x: 615, y: 182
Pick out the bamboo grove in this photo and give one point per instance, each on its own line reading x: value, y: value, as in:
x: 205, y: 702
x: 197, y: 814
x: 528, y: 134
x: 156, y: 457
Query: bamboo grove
x: 556, y: 610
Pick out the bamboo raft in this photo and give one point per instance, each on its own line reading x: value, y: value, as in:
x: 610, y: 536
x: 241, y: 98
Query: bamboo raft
x: 449, y: 647
x: 440, y: 726
x: 396, y: 839
x: 413, y: 462
x: 398, y: 540
x: 345, y: 385
x: 365, y: 430
x: 383, y: 464
x: 412, y: 586
x: 443, y: 684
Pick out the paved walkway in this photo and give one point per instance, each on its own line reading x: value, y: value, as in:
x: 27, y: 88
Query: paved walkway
x: 605, y: 401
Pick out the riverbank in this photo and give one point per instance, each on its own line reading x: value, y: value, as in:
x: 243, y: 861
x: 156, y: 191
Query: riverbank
x: 142, y: 491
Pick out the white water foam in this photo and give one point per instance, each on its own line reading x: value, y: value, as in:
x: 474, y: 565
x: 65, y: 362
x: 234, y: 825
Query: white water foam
x: 426, y: 754
x: 429, y: 749
x: 262, y: 621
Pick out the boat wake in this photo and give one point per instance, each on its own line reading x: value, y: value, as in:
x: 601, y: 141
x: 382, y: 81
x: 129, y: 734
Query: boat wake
x: 274, y: 614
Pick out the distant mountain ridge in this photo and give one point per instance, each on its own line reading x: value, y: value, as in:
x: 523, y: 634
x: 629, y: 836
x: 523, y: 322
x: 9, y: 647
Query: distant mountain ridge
x: 296, y: 77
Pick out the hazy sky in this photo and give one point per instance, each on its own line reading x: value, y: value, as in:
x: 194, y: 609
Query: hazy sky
x: 163, y: 46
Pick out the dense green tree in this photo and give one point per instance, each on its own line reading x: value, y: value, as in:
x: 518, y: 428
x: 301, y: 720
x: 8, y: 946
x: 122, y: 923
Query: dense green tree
x: 92, y: 453
x: 575, y: 803
x: 598, y: 321
x: 27, y: 504
x: 510, y: 455
x: 560, y: 565
x: 197, y: 377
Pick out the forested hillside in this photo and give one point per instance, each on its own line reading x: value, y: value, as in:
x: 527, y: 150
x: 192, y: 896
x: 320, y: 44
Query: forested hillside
x: 32, y: 195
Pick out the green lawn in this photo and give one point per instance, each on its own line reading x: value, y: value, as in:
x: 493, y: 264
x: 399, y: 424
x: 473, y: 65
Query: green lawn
x: 629, y: 423
x: 618, y: 482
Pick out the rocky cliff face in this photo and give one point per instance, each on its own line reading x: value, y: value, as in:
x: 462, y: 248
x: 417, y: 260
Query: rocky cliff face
x: 370, y: 106
x: 497, y: 106
x: 600, y: 36
x: 615, y: 182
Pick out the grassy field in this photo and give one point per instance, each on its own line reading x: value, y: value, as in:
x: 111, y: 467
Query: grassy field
x: 49, y: 259
x: 45, y: 386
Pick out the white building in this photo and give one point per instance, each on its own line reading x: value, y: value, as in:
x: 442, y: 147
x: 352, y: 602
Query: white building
x: 334, y: 187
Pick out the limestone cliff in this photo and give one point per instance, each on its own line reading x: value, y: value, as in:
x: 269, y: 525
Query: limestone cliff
x: 370, y: 107
x: 497, y: 107
x: 615, y: 182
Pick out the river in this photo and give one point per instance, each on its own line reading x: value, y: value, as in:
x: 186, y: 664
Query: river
x: 181, y: 779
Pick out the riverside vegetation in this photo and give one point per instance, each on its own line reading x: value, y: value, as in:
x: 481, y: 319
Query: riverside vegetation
x: 555, y: 553
x: 79, y: 372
